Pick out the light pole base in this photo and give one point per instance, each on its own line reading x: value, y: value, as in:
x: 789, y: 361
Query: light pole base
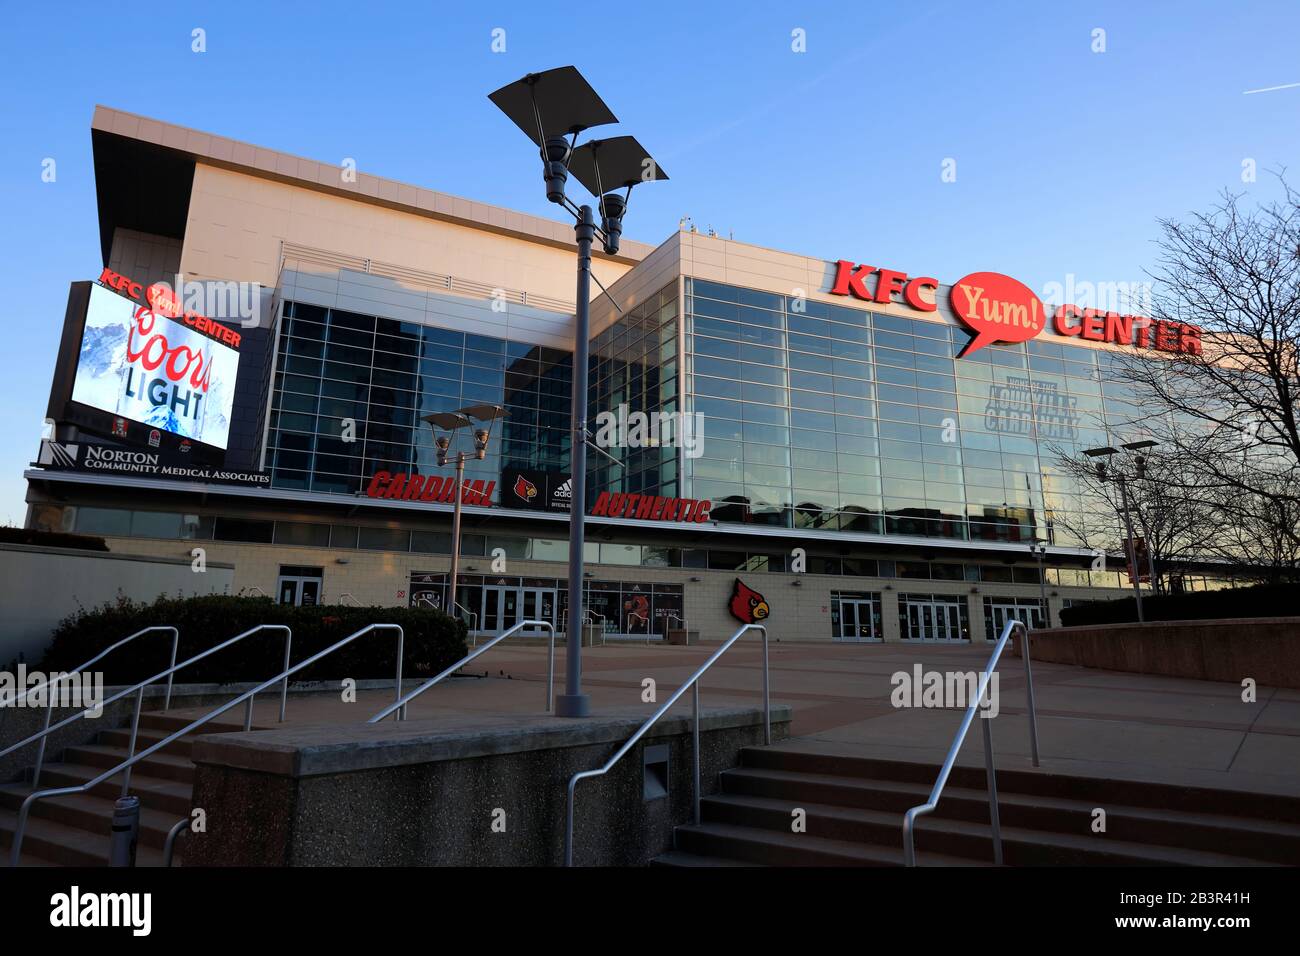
x: 572, y: 705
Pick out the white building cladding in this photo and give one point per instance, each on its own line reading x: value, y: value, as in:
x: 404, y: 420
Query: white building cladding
x: 824, y: 417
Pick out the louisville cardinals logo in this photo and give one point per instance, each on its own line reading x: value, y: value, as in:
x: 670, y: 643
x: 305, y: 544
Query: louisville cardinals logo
x: 747, y: 605
x: 525, y: 489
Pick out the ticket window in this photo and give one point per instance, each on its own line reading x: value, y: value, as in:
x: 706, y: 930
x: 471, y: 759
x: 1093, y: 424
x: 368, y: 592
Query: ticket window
x: 300, y: 586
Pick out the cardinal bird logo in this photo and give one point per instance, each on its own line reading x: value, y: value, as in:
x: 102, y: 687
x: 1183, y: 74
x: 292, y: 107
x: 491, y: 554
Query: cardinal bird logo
x: 747, y: 605
x: 525, y: 489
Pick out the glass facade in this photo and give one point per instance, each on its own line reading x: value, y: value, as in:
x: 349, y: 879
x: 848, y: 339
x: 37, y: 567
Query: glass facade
x: 634, y: 365
x: 351, y: 390
x: 815, y: 416
x: 831, y: 418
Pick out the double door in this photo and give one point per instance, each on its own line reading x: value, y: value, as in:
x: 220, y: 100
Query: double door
x: 1029, y: 613
x: 858, y: 621
x: 504, y: 606
x: 933, y: 620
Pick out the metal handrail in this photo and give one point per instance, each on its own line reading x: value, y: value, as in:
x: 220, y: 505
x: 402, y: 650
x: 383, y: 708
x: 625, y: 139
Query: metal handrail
x: 591, y: 612
x: 108, y: 650
x: 550, y: 670
x: 909, y: 819
x: 691, y: 682
x: 169, y: 845
x: 49, y: 704
x: 244, y: 698
x: 645, y: 619
x: 138, y: 689
x: 349, y: 594
x: 473, y: 631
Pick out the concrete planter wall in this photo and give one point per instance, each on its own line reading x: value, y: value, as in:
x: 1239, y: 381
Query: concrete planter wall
x: 1266, y: 649
x: 429, y: 792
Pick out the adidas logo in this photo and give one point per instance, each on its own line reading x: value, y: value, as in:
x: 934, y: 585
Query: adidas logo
x: 565, y: 490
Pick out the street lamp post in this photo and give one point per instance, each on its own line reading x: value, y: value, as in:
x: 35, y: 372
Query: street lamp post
x: 1039, y: 550
x: 547, y: 107
x: 1121, y: 479
x: 450, y: 423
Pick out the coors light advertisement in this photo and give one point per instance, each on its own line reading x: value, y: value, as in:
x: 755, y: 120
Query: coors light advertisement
x: 144, y: 366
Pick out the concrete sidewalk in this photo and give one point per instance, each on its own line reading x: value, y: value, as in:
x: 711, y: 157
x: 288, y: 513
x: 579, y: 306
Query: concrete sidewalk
x: 1100, y: 723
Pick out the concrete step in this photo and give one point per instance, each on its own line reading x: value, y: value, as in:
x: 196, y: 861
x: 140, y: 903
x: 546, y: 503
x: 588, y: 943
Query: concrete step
x: 1093, y: 790
x: 163, y: 766
x: 1261, y: 841
x: 61, y: 845
x: 145, y: 738
x: 231, y: 722
x: 678, y: 859
x: 171, y: 796
x: 776, y: 848
x: 937, y: 837
x: 89, y: 812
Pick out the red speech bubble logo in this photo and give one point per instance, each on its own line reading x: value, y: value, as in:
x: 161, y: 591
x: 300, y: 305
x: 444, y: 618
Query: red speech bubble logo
x: 997, y: 308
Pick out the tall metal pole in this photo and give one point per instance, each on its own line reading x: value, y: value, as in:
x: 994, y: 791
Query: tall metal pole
x: 455, y: 535
x: 1041, y: 552
x: 573, y: 702
x: 1132, y: 554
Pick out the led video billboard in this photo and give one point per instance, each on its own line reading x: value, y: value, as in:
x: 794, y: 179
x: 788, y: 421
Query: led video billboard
x: 168, y: 374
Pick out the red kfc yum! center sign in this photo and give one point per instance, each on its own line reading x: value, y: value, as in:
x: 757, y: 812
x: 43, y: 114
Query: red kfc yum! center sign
x: 997, y: 308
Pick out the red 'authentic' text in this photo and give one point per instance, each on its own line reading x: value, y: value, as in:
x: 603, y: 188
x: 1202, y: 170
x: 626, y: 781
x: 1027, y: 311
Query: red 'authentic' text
x: 651, y: 507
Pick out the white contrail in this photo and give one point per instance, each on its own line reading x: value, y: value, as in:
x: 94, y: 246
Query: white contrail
x: 1270, y: 89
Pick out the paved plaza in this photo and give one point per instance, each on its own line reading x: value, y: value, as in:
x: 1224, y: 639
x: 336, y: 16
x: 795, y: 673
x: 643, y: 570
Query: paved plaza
x: 1103, y: 723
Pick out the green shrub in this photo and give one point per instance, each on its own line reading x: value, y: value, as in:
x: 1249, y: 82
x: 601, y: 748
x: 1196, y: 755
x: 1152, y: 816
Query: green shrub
x: 432, y: 640
x: 1265, y: 600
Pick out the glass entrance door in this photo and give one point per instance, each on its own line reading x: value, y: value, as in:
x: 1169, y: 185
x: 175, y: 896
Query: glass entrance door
x: 997, y: 613
x: 932, y: 619
x: 537, y: 604
x: 500, y: 608
x: 300, y: 586
x: 857, y: 623
x: 505, y: 605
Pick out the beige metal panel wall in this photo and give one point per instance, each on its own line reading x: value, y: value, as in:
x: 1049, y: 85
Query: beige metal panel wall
x: 145, y: 257
x: 237, y: 223
x: 657, y: 270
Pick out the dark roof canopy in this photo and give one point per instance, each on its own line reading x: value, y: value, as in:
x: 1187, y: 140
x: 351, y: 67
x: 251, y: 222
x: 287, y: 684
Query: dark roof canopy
x: 140, y: 186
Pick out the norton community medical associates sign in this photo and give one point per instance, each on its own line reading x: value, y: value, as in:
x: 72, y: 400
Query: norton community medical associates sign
x: 175, y: 464
x: 998, y: 308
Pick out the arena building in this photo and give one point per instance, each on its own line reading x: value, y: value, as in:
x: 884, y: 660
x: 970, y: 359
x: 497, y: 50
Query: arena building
x: 842, y: 446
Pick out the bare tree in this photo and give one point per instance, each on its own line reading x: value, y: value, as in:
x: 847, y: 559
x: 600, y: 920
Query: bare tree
x: 1226, y: 414
x: 1169, y: 515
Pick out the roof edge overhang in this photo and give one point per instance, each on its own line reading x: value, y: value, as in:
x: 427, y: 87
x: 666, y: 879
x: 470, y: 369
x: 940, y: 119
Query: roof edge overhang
x: 129, y: 149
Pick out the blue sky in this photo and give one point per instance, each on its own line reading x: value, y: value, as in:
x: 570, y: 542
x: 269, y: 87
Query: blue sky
x: 1065, y: 157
